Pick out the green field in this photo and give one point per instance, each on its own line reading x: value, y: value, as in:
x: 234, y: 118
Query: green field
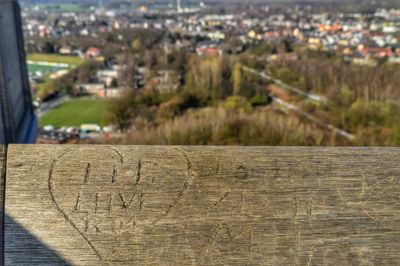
x: 70, y: 8
x: 76, y: 112
x: 55, y: 58
x: 76, y: 8
x: 33, y: 68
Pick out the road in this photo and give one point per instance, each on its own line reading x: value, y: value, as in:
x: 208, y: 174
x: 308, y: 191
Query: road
x: 319, y: 122
x: 297, y: 109
x: 281, y: 84
x: 49, y: 105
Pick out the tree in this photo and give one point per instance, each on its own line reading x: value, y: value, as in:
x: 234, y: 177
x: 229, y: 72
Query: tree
x: 85, y: 72
x: 48, y: 48
x: 128, y: 70
x: 120, y: 111
x: 136, y: 44
x: 204, y: 77
x: 237, y: 78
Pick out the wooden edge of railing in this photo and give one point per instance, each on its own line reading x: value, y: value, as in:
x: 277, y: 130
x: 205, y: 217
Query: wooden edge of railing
x: 3, y: 162
x: 71, y: 204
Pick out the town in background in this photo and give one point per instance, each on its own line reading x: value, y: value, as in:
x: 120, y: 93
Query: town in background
x: 215, y: 72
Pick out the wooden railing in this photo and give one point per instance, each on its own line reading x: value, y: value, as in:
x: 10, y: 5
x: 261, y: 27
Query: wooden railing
x: 166, y: 205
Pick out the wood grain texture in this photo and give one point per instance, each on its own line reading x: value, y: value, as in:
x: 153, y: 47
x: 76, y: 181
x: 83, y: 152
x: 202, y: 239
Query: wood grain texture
x: 2, y: 184
x: 165, y: 205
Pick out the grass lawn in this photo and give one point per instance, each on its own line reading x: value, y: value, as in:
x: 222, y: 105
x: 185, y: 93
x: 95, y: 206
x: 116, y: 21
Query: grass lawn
x: 33, y: 68
x: 70, y: 8
x: 76, y: 112
x: 55, y: 58
x: 77, y: 8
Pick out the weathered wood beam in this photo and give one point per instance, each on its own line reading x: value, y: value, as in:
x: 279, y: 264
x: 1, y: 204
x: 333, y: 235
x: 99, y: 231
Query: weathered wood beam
x: 2, y: 189
x: 125, y: 205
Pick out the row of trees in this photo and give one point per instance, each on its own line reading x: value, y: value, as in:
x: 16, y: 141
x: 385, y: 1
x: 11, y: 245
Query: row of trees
x: 65, y: 84
x: 206, y: 81
x: 324, y: 75
x: 362, y: 100
x: 232, y: 126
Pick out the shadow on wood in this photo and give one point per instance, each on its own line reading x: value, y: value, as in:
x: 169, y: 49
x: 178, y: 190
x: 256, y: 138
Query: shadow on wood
x: 21, y: 239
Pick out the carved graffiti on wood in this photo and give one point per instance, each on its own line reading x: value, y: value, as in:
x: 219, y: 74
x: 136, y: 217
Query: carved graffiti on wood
x: 204, y: 205
x: 106, y: 198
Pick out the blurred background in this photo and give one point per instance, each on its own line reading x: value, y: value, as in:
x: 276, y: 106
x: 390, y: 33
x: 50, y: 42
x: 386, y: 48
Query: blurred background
x: 191, y: 72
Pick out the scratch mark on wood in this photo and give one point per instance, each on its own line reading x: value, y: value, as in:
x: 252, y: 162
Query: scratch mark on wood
x: 114, y: 175
x: 185, y: 184
x: 180, y: 194
x: 98, y: 231
x: 141, y: 201
x: 217, y: 170
x: 243, y: 172
x: 295, y: 203
x: 66, y: 217
x: 97, y: 203
x: 78, y: 202
x: 115, y: 250
x: 110, y: 204
x: 221, y: 199
x: 218, y: 228
x: 86, y: 225
x: 126, y: 205
x: 87, y: 173
x: 138, y: 172
x: 121, y: 158
x: 189, y: 163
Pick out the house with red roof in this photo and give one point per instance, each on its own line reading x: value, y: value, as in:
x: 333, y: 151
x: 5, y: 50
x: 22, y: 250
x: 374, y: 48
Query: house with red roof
x: 93, y: 52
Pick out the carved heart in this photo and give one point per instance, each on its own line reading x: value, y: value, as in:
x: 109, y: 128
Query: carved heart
x: 109, y: 199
